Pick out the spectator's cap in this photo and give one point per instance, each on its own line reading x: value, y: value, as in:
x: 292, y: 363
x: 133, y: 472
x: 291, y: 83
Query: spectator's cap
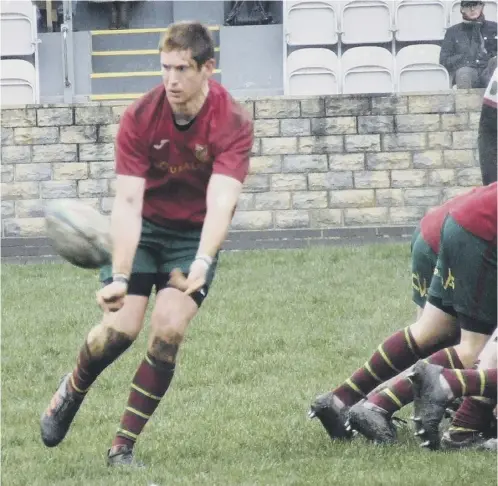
x: 464, y: 4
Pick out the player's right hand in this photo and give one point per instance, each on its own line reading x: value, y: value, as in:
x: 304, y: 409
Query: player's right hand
x: 111, y: 297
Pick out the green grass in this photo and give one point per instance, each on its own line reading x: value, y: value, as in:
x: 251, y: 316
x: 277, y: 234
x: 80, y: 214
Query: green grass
x: 278, y: 328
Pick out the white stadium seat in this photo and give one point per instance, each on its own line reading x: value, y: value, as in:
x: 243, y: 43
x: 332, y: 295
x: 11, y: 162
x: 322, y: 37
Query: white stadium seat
x: 18, y: 28
x: 455, y: 17
x: 18, y: 82
x: 420, y: 20
x: 418, y: 69
x: 366, y: 22
x: 312, y: 71
x: 310, y: 22
x: 368, y: 69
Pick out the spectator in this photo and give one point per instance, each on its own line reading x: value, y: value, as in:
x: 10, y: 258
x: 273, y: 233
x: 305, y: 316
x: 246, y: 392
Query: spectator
x: 468, y: 48
x: 119, y: 14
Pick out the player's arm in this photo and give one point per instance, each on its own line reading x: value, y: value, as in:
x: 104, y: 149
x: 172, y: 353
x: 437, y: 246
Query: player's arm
x: 222, y: 196
x: 132, y: 164
x: 229, y: 171
x: 126, y: 222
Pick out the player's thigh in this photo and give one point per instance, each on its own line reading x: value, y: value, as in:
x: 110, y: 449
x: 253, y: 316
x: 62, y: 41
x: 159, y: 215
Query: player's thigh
x: 180, y: 252
x: 469, y: 281
x: 130, y: 318
x: 423, y: 262
x: 173, y: 311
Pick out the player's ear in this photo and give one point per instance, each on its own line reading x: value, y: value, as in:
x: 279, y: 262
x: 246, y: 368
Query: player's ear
x: 209, y: 66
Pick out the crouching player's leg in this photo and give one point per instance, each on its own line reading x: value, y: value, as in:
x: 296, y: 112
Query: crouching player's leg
x: 435, y: 387
x: 464, y: 281
x: 396, y: 353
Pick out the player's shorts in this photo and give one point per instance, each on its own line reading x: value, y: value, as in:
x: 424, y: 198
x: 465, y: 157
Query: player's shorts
x: 159, y: 251
x: 465, y: 278
x: 423, y: 264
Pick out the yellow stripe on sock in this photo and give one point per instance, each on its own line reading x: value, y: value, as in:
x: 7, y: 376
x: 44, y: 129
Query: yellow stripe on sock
x: 450, y: 358
x: 137, y: 412
x: 148, y: 360
x: 354, y: 387
x: 386, y: 359
x: 128, y: 434
x: 369, y: 369
x: 460, y: 429
x: 461, y: 380
x: 146, y: 393
x: 409, y: 341
x: 482, y: 376
x: 79, y: 390
x: 488, y: 401
x: 393, y: 397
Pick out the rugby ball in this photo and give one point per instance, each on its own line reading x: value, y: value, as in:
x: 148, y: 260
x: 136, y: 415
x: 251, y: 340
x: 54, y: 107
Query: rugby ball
x: 79, y: 233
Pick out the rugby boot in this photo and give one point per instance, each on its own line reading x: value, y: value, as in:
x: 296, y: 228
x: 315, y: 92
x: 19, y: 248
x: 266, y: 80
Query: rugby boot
x: 431, y: 398
x: 489, y: 445
x: 122, y: 455
x: 56, y: 420
x: 372, y: 422
x: 472, y: 439
x: 333, y: 415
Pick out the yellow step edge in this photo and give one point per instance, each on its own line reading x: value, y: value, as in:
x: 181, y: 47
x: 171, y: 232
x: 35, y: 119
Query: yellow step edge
x: 132, y: 52
x: 115, y: 96
x: 131, y: 74
x: 152, y: 30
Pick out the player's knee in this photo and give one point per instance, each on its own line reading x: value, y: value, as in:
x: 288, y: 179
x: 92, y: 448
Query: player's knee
x: 169, y: 324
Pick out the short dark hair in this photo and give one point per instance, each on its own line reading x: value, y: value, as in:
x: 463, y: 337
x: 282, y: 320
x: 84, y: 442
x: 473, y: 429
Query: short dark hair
x: 193, y: 36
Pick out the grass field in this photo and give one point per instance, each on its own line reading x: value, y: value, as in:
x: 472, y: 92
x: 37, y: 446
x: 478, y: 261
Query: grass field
x: 277, y: 329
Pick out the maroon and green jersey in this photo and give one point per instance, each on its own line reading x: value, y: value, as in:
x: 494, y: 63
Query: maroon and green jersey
x: 177, y: 162
x: 478, y: 214
x: 431, y: 223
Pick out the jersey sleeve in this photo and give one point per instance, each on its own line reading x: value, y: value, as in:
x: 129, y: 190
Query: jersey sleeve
x: 233, y: 159
x: 132, y: 157
x: 490, y: 95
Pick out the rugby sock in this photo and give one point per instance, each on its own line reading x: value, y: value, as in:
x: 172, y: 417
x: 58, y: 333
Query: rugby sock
x: 149, y: 385
x: 398, y: 395
x: 90, y: 364
x: 475, y: 414
x: 395, y: 354
x: 481, y: 383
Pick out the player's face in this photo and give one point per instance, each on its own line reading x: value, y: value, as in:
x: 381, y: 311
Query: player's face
x: 182, y: 78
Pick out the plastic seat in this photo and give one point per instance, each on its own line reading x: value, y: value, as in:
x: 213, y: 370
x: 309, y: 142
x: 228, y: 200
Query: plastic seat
x: 367, y: 70
x: 313, y: 71
x: 418, y: 69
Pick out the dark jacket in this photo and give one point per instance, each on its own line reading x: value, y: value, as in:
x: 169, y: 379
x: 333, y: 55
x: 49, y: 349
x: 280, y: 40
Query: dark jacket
x: 461, y: 46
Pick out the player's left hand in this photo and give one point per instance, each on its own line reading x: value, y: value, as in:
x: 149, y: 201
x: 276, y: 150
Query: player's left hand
x: 197, y: 276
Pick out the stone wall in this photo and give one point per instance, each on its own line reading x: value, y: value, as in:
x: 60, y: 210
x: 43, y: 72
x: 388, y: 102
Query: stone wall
x: 318, y: 163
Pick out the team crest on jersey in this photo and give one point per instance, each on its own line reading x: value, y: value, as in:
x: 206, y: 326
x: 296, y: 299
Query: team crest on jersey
x: 202, y: 154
